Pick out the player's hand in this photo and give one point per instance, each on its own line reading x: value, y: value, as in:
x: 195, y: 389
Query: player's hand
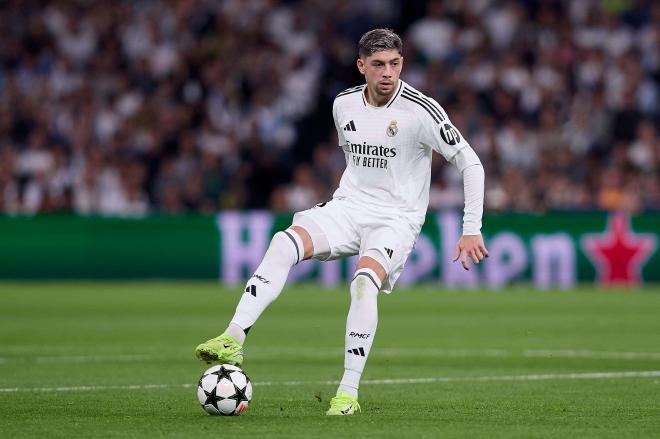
x: 471, y: 246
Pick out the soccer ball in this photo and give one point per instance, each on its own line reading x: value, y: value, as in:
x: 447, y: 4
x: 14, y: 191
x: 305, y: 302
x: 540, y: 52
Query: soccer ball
x: 224, y: 390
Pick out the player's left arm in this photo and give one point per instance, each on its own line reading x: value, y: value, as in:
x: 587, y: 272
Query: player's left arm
x: 444, y: 137
x: 471, y: 244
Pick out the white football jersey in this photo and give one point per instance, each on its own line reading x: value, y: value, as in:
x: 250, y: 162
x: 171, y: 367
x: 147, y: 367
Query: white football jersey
x: 388, y: 149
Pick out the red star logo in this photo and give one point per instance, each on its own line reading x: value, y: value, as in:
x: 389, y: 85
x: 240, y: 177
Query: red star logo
x: 619, y: 254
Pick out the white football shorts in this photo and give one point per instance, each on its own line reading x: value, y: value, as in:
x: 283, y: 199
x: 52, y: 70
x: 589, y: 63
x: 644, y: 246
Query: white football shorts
x: 352, y: 230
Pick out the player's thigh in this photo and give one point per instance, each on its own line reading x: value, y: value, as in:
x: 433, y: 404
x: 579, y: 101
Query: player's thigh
x: 331, y: 228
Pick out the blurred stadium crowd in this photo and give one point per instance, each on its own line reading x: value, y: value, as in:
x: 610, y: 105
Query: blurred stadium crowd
x: 128, y: 107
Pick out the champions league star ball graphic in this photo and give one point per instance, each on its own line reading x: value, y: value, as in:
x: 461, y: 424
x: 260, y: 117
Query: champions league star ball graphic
x: 224, y: 390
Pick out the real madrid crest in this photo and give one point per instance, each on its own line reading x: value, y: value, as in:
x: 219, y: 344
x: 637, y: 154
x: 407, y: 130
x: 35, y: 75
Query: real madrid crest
x: 392, y: 129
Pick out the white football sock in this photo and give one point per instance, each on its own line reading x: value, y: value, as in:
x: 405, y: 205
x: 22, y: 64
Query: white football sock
x: 285, y: 250
x: 360, y: 327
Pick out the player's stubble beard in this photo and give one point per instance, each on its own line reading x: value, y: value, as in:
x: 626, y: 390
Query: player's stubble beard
x: 385, y: 90
x: 380, y: 93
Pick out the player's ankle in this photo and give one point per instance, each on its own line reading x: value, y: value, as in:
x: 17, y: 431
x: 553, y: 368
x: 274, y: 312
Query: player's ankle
x: 353, y: 391
x: 236, y: 332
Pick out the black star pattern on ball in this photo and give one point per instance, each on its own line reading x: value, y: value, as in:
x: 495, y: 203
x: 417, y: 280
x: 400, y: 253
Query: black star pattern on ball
x: 211, y: 398
x: 239, y: 396
x: 223, y: 373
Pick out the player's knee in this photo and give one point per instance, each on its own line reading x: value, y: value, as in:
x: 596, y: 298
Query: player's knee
x: 319, y: 246
x: 365, y: 284
x: 285, y: 247
x: 377, y: 261
x: 308, y: 244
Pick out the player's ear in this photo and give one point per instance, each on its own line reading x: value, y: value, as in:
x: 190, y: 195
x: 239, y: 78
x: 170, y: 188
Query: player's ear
x: 360, y: 65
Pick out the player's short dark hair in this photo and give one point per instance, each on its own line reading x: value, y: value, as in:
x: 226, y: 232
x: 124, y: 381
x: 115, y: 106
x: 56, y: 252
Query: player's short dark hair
x: 379, y: 39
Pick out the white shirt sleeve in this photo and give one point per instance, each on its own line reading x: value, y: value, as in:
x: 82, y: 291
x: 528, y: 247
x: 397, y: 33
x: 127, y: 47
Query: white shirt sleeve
x: 341, y: 140
x: 439, y: 133
x: 473, y: 190
x: 443, y: 137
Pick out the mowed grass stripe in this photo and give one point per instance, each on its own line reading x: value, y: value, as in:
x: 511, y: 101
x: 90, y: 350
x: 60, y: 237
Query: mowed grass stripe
x: 390, y: 381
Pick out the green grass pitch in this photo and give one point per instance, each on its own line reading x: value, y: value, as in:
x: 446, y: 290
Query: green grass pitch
x: 116, y: 360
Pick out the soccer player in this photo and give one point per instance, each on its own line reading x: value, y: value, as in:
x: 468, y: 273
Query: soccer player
x: 388, y: 131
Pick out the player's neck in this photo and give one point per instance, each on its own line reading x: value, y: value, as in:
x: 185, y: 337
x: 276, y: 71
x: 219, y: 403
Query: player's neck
x: 376, y: 100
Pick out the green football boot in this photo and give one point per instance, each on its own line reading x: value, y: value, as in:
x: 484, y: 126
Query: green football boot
x: 222, y: 349
x: 343, y: 404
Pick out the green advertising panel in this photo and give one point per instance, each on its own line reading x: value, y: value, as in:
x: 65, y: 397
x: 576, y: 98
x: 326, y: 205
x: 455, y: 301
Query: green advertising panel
x: 550, y: 250
x: 70, y: 247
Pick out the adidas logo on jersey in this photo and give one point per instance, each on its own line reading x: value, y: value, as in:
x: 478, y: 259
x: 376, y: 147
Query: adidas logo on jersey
x: 350, y: 126
x: 389, y: 251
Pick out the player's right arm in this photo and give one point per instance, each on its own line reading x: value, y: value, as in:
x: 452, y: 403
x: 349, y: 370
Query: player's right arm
x: 341, y: 140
